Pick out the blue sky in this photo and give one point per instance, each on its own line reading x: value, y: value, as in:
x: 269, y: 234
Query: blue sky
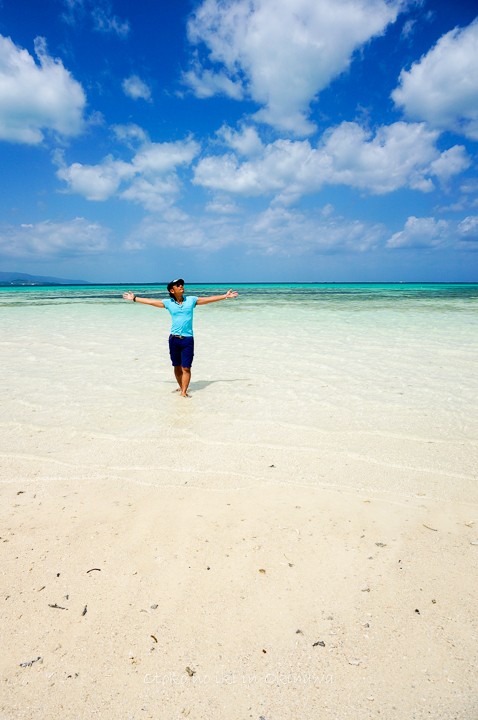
x: 239, y: 140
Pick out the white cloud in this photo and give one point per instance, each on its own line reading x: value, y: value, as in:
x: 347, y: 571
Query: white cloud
x: 288, y: 232
x: 282, y: 52
x: 276, y: 231
x: 205, y: 83
x: 99, y: 12
x: 271, y: 172
x: 469, y: 226
x: 245, y: 141
x: 467, y: 231
x: 222, y: 206
x: 136, y: 88
x: 48, y: 239
x: 397, y: 156
x: 150, y: 178
x: 155, y: 195
x: 178, y: 232
x: 469, y: 186
x: 420, y: 233
x: 105, y: 21
x: 442, y: 88
x: 130, y: 134
x: 37, y: 97
x: 466, y: 199
x: 428, y: 233
x: 451, y: 162
x: 96, y: 182
x: 163, y: 157
x: 408, y: 28
x: 74, y: 9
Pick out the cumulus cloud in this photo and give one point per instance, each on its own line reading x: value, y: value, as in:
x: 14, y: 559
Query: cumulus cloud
x: 429, y: 233
x: 281, y: 53
x: 466, y: 199
x: 131, y: 134
x: 396, y: 156
x: 271, y: 172
x: 35, y: 97
x: 222, y: 206
x: 420, y: 233
x: 155, y: 195
x: 96, y: 182
x: 245, y: 141
x: 46, y: 240
x: 149, y: 178
x: 136, y: 88
x: 284, y: 231
x: 442, y: 87
x: 163, y: 157
x: 467, y: 232
x: 179, y: 231
x: 469, y: 226
x: 276, y: 231
x: 451, y: 162
x: 206, y: 84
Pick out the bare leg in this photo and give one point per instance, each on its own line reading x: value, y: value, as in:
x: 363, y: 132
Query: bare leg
x: 178, y: 374
x: 185, y: 380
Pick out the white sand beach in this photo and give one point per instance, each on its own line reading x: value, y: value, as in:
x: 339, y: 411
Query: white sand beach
x: 296, y: 541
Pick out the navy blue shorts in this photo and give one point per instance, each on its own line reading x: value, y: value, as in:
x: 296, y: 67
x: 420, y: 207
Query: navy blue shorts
x: 181, y: 351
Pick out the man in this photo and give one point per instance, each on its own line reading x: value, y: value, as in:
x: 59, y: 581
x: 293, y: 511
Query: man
x: 181, y: 339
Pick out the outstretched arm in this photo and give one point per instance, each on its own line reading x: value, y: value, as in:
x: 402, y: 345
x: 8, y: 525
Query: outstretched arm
x: 143, y: 301
x: 216, y: 298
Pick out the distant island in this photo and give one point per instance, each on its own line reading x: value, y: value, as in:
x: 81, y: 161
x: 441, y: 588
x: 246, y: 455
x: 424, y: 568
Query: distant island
x: 18, y: 279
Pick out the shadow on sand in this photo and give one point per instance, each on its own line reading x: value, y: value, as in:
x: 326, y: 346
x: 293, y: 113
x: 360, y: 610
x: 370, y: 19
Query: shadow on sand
x: 203, y: 384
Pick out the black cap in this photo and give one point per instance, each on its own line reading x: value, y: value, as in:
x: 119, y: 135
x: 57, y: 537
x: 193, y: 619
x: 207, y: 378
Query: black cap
x: 179, y: 281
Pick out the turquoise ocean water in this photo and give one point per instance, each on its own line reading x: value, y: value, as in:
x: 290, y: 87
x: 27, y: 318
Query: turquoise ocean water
x: 342, y: 294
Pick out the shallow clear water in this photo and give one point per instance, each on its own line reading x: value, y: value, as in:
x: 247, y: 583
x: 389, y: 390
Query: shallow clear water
x: 314, y: 379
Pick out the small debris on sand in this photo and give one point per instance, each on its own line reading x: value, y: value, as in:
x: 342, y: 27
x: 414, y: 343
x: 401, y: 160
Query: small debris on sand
x: 29, y: 663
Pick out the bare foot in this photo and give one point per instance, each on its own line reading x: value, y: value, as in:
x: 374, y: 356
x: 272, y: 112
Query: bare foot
x: 185, y: 395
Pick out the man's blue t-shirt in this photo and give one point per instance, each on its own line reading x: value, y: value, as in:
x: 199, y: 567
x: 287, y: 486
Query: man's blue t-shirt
x: 181, y: 315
